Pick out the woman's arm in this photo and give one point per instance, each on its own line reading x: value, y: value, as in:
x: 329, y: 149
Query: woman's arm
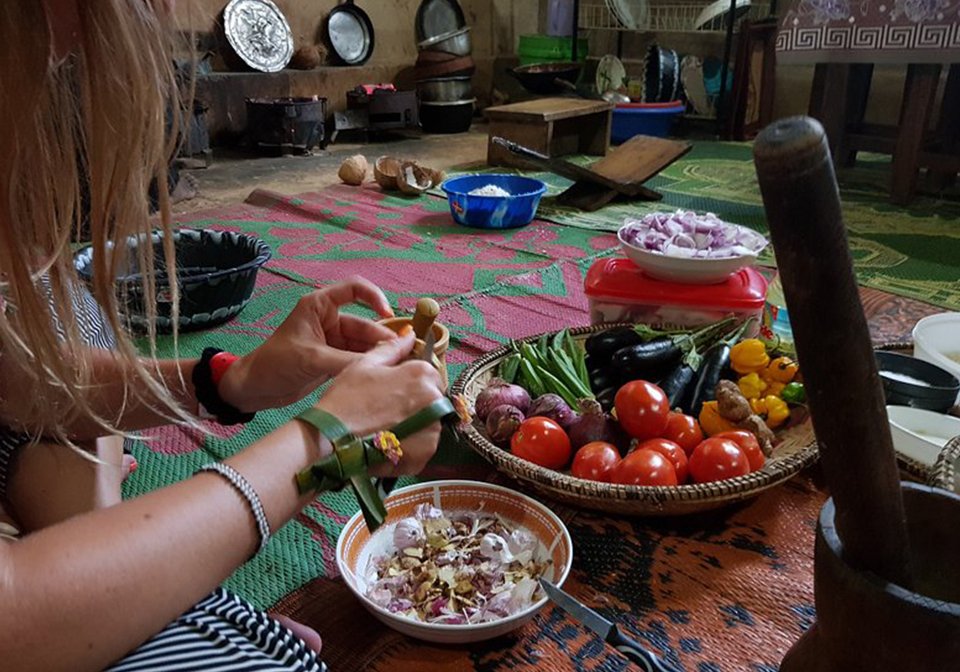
x: 315, y: 342
x: 81, y: 594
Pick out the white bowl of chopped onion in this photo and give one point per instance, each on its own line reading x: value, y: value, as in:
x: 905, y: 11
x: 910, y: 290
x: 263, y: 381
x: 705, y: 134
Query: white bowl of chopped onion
x: 456, y: 561
x: 688, y: 247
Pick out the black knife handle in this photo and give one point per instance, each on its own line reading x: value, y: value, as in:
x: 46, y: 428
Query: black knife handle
x: 633, y: 650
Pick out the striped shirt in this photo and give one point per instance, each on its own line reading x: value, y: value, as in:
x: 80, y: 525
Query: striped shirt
x: 222, y: 633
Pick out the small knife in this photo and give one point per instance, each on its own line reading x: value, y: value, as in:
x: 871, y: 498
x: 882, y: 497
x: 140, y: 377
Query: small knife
x: 387, y: 484
x: 428, y: 344
x: 608, y: 631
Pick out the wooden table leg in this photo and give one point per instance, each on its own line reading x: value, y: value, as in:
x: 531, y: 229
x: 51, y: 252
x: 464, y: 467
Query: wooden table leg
x: 948, y: 128
x: 918, y: 97
x: 858, y: 92
x: 828, y: 101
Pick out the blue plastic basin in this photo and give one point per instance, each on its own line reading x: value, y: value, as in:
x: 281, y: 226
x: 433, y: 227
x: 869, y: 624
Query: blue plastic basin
x: 629, y: 121
x: 494, y: 212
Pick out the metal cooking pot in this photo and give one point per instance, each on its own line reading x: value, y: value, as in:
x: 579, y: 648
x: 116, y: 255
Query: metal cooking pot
x: 350, y: 32
x: 455, y: 42
x: 445, y: 89
x: 435, y: 17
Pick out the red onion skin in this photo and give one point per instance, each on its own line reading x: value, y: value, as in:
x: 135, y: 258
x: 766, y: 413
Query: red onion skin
x: 503, y: 422
x: 592, y: 425
x: 553, y: 407
x: 497, y: 393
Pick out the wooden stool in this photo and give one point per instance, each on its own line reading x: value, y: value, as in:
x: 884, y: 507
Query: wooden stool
x: 552, y: 126
x: 839, y: 99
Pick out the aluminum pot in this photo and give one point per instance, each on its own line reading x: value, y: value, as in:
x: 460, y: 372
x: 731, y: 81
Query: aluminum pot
x: 445, y: 89
x: 455, y: 42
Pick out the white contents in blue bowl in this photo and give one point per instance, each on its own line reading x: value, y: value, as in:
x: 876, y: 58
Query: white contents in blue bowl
x: 490, y: 190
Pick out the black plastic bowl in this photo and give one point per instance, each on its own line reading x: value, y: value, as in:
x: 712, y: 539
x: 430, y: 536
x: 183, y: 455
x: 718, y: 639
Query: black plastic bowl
x: 939, y: 393
x: 216, y: 272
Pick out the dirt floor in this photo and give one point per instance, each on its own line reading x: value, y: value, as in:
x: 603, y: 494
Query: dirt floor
x: 233, y: 174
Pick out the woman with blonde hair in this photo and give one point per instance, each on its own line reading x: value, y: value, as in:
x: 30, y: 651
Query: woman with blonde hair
x: 88, y: 581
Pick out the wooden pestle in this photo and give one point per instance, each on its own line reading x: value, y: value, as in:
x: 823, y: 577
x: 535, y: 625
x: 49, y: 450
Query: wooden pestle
x: 833, y: 344
x: 424, y: 316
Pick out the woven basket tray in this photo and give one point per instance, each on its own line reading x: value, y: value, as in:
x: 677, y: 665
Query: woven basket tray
x: 796, y: 449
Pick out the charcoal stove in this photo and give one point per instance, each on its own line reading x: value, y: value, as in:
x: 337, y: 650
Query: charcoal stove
x: 286, y: 125
x: 377, y: 107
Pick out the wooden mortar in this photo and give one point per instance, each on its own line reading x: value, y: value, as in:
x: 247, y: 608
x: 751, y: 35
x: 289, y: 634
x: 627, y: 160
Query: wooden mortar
x: 440, y: 333
x: 868, y: 558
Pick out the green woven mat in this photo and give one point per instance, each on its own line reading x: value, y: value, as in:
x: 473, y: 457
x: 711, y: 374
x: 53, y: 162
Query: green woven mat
x: 912, y: 252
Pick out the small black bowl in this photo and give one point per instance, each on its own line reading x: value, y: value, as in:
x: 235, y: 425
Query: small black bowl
x: 936, y: 389
x: 216, y: 272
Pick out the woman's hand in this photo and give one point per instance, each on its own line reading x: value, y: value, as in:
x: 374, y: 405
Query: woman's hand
x: 378, y: 392
x: 314, y: 343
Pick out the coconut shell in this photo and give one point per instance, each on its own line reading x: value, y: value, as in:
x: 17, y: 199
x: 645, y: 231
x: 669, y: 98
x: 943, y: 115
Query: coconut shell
x: 386, y: 171
x: 413, y: 179
x: 436, y: 176
x: 354, y: 170
x: 307, y: 57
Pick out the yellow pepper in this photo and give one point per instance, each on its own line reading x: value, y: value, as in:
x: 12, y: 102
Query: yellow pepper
x: 749, y: 356
x: 773, y: 409
x: 752, y: 386
x: 775, y: 387
x: 711, y: 422
x: 782, y: 370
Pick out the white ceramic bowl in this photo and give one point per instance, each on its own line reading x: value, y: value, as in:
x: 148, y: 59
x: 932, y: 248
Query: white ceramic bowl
x: 920, y: 434
x: 936, y: 339
x: 684, y: 269
x: 356, y: 545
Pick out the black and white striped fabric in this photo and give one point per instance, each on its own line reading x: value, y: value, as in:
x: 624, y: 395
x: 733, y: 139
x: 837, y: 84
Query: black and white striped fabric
x: 222, y: 633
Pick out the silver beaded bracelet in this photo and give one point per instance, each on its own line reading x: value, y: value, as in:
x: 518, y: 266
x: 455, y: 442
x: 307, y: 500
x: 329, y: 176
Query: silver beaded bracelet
x: 244, y: 488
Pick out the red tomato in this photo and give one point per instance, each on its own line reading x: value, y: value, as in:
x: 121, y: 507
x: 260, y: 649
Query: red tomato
x: 595, y: 461
x: 645, y: 467
x: 672, y: 452
x: 717, y: 460
x: 642, y: 409
x: 543, y: 442
x: 683, y: 430
x: 748, y: 444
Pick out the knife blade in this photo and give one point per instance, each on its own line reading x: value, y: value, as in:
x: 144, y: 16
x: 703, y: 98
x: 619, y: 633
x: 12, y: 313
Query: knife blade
x: 428, y: 344
x: 607, y: 630
x: 387, y: 484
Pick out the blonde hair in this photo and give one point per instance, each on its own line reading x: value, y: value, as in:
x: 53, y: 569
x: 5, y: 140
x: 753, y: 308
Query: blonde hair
x: 94, y: 118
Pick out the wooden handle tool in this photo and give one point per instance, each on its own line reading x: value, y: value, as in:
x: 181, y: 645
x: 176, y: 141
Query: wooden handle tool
x: 833, y: 344
x: 424, y: 317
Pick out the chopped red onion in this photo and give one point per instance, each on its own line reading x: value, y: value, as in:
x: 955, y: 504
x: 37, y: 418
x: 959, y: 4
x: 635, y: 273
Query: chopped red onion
x: 686, y: 234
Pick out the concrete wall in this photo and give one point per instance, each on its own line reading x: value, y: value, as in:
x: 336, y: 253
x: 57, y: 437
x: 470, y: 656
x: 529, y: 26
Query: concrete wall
x: 495, y: 29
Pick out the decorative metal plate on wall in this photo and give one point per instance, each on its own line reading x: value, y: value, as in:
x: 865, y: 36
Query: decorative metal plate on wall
x: 259, y: 34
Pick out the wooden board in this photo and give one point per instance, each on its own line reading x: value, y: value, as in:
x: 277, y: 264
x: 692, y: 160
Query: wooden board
x: 638, y: 159
x: 541, y: 110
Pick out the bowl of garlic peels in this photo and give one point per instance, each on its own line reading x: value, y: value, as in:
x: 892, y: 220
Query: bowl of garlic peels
x: 456, y: 561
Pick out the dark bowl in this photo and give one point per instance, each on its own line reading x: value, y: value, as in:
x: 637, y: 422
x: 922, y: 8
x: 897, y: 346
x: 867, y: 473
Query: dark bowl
x: 446, y: 117
x: 216, y: 273
x: 935, y: 389
x: 541, y: 77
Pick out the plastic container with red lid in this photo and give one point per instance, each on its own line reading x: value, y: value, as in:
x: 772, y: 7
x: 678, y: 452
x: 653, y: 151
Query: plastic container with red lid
x: 618, y: 291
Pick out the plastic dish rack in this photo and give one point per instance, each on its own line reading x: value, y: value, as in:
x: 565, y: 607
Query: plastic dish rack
x: 676, y: 17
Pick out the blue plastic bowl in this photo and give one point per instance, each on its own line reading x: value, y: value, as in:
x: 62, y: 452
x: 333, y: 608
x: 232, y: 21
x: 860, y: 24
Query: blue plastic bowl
x: 494, y: 212
x: 631, y: 120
